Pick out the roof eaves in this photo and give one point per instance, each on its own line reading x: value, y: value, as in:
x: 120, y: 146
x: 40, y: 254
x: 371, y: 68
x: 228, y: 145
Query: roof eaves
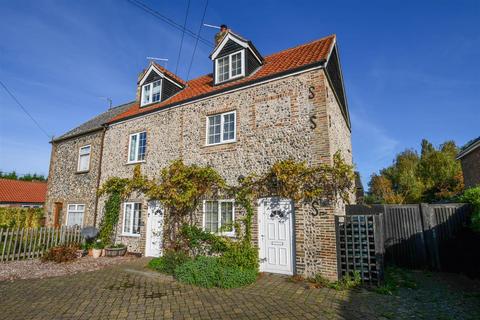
x: 474, y: 144
x: 76, y: 135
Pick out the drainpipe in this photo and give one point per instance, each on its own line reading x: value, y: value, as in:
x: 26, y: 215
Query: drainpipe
x: 99, y: 176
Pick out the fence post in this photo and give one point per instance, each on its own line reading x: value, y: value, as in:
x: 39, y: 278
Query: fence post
x: 3, y: 243
x: 339, y: 256
x: 379, y: 240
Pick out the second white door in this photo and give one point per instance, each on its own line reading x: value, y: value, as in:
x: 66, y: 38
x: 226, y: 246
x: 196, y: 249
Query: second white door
x: 153, y: 245
x: 275, y: 218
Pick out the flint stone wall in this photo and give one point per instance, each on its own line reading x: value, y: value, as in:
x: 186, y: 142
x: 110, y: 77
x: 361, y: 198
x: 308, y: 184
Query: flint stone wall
x: 274, y: 122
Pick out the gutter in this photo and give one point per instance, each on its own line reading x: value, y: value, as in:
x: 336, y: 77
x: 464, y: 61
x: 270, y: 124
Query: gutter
x: 104, y: 127
x: 469, y: 149
x: 75, y: 135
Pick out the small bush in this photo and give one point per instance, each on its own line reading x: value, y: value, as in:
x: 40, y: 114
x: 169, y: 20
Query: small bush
x: 321, y: 281
x: 61, y: 254
x: 472, y: 196
x: 98, y: 244
x: 348, y: 282
x: 116, y: 246
x: 345, y: 283
x: 200, y: 242
x: 169, y: 261
x: 210, y: 272
x: 240, y: 254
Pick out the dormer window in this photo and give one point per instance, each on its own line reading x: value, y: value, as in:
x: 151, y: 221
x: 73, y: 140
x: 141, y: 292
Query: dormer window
x: 234, y: 57
x: 157, y: 84
x: 230, y: 66
x: 151, y: 92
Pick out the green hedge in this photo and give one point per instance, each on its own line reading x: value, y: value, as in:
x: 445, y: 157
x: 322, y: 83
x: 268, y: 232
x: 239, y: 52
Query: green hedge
x: 472, y: 196
x: 168, y: 262
x: 210, y: 272
x: 15, y: 217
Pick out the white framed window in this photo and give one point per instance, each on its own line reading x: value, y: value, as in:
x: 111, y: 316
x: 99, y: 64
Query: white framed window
x: 221, y: 128
x: 218, y: 216
x: 151, y: 92
x: 230, y: 67
x: 137, y: 147
x: 132, y: 212
x: 31, y: 206
x: 75, y: 214
x: 84, y: 158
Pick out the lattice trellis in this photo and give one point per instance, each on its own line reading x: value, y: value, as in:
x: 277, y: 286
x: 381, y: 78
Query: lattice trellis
x: 360, y: 247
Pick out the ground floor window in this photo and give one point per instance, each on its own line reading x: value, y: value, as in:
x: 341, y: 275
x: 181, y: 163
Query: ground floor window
x: 75, y: 214
x: 131, y: 218
x: 218, y: 216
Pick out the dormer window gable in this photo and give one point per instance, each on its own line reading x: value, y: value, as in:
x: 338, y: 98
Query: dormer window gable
x: 234, y: 58
x: 157, y: 85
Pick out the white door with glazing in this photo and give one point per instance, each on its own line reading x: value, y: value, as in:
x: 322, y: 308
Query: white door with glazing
x: 153, y: 245
x: 275, y: 224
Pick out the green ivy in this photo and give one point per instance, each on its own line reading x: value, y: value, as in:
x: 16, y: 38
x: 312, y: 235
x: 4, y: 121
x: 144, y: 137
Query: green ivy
x: 110, y: 217
x: 200, y: 242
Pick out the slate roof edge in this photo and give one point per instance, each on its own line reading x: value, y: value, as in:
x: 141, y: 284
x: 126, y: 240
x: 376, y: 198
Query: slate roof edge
x: 472, y: 145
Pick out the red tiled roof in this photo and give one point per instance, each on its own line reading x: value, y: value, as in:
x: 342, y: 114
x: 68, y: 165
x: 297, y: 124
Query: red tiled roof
x: 22, y: 191
x: 276, y: 63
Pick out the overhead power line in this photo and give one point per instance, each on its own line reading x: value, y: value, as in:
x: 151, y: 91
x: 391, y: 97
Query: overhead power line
x: 196, y: 42
x: 25, y: 110
x: 169, y: 21
x: 183, y: 35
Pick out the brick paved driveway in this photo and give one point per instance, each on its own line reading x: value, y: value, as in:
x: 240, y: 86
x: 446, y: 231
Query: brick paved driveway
x: 130, y: 291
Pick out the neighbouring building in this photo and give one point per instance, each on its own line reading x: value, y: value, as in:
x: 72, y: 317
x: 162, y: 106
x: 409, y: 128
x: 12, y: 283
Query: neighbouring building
x: 469, y: 156
x: 25, y: 194
x: 250, y: 112
x: 74, y: 172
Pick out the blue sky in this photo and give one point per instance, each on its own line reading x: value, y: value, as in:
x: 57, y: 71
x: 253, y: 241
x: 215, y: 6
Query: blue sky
x: 411, y: 68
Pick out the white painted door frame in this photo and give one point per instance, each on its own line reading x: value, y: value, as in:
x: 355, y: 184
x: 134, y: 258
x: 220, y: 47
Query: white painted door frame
x: 276, y: 235
x: 154, y: 230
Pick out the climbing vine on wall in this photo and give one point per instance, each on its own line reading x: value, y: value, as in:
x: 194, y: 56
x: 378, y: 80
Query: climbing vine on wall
x: 110, y: 217
x: 181, y: 187
x: 118, y: 189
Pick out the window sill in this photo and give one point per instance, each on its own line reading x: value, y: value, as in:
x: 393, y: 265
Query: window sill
x: 135, y: 162
x: 237, y: 77
x: 82, y: 172
x: 149, y: 104
x: 130, y: 235
x: 220, y: 143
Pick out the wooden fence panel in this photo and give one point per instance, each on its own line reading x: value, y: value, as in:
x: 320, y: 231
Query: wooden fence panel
x: 404, y: 240
x: 442, y: 222
x: 413, y: 233
x: 28, y: 243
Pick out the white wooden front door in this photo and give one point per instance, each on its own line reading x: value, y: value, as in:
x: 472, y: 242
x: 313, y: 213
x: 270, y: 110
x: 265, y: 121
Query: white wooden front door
x: 275, y: 221
x: 153, y: 245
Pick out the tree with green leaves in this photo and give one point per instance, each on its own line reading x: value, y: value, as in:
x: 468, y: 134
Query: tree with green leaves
x: 432, y: 176
x: 27, y: 177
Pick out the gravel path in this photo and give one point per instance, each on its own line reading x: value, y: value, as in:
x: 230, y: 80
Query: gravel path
x: 30, y: 269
